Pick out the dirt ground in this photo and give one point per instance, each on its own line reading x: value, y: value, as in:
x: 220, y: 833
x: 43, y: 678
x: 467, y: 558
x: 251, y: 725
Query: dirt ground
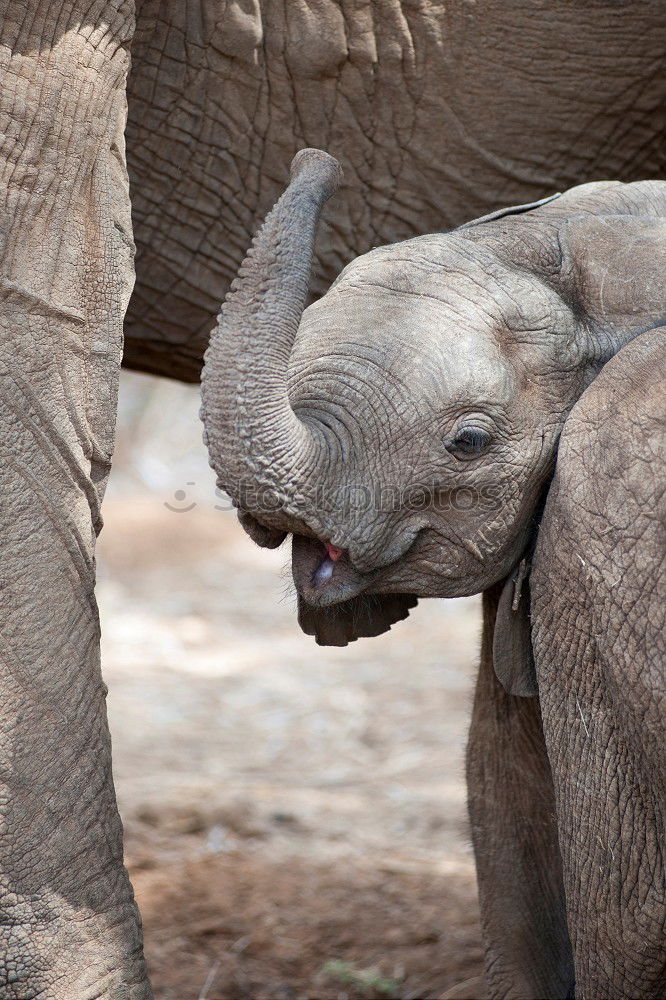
x: 294, y: 816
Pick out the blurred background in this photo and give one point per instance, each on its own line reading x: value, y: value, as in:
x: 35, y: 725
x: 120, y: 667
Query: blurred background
x: 294, y: 816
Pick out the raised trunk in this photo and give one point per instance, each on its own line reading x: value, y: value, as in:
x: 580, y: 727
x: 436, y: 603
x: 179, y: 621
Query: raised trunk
x: 255, y: 440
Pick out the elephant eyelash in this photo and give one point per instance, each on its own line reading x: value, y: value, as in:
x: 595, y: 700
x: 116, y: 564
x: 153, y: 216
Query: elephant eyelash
x: 469, y: 442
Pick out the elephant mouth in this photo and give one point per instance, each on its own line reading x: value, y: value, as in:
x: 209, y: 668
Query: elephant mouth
x: 335, y: 604
x: 323, y: 574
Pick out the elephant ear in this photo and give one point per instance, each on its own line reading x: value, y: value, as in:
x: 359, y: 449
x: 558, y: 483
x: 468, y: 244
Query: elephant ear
x: 513, y: 658
x: 501, y: 213
x: 267, y: 538
x: 361, y: 617
x: 612, y: 270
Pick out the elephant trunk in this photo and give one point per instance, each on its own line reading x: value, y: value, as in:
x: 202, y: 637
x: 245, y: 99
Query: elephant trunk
x: 254, y: 438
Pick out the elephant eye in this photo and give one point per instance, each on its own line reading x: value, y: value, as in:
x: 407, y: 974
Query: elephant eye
x: 469, y: 441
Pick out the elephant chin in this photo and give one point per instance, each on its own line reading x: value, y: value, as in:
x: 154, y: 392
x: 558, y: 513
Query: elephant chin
x: 360, y: 617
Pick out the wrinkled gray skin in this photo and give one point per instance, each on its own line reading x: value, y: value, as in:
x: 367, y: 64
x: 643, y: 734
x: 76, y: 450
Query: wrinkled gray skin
x: 69, y: 929
x: 439, y: 112
x: 599, y: 616
x: 450, y: 362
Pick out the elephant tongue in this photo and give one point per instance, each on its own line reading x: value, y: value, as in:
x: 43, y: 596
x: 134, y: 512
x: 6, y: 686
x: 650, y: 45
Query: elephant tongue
x: 324, y: 571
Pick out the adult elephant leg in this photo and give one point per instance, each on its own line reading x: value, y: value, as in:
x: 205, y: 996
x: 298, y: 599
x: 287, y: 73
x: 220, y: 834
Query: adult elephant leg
x: 514, y: 832
x: 599, y: 628
x: 69, y: 928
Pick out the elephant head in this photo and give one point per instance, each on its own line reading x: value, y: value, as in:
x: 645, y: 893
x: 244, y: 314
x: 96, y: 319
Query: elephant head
x: 404, y: 427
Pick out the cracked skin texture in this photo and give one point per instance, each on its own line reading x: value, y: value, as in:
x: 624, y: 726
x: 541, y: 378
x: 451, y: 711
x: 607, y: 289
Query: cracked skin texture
x: 69, y: 928
x: 599, y: 627
x: 438, y: 112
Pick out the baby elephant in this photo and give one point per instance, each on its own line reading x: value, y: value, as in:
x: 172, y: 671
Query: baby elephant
x: 404, y: 430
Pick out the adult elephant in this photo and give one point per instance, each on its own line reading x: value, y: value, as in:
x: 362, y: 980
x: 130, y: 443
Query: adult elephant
x: 403, y: 429
x: 439, y: 112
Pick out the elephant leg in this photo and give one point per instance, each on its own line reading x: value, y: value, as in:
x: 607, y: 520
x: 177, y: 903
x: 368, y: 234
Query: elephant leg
x: 514, y: 833
x: 611, y: 813
x: 599, y: 630
x: 69, y: 928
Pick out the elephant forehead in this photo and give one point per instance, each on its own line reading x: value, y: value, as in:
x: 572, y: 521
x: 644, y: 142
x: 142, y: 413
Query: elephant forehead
x: 462, y: 279
x: 415, y: 344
